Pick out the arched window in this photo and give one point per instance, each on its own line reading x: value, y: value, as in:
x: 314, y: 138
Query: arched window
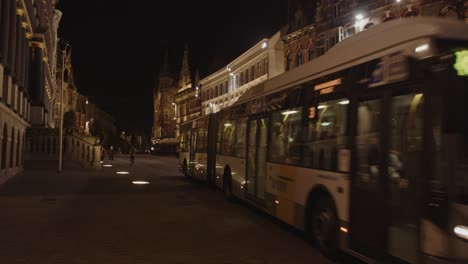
x: 12, y: 147
x: 4, y: 146
x: 368, y: 25
x: 409, y: 11
x: 388, y: 16
x: 299, y: 58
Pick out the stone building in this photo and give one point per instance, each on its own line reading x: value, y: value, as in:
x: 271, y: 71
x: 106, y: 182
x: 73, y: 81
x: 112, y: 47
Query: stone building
x: 164, y: 122
x: 176, y: 101
x: 223, y: 88
x: 28, y: 42
x: 313, y: 31
x: 187, y: 98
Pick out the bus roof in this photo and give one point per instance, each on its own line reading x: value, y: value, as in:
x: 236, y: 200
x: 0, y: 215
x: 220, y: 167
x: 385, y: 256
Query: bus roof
x: 370, y: 44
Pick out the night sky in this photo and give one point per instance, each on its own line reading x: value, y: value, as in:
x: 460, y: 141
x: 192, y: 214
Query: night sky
x: 118, y: 45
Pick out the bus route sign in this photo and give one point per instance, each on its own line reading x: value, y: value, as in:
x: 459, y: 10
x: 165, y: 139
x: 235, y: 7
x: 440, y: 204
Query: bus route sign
x: 461, y: 62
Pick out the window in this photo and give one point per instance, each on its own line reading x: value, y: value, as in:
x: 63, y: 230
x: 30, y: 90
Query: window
x: 326, y: 135
x: 228, y: 128
x: 286, y: 127
x: 184, y: 142
x: 200, y: 140
x: 311, y: 53
x: 289, y: 62
x: 299, y: 58
x: 368, y: 142
x: 241, y: 138
x: 265, y: 63
x: 252, y: 73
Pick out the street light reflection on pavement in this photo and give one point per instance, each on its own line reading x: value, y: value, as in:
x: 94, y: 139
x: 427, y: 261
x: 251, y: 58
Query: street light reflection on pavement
x: 140, y: 182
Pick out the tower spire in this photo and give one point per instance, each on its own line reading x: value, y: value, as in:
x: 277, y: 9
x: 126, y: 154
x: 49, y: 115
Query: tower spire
x: 185, y: 80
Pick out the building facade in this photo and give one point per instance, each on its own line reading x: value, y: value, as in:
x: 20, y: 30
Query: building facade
x: 334, y: 21
x: 223, y: 88
x: 187, y: 98
x: 28, y: 41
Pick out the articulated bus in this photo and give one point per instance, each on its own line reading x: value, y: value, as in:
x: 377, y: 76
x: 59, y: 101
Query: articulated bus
x: 364, y: 148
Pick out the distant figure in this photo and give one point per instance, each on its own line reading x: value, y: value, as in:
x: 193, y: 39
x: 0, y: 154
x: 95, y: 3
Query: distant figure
x: 103, y: 154
x: 111, y: 153
x: 132, y: 155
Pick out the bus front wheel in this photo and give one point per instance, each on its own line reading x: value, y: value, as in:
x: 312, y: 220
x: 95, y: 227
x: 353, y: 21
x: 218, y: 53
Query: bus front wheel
x: 324, y: 225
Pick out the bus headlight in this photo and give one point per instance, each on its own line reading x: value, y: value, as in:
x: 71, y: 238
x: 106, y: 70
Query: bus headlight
x: 461, y: 231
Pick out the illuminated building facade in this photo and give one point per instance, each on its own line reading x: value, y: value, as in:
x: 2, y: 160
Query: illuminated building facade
x: 312, y: 31
x: 187, y: 96
x: 223, y: 88
x: 164, y: 115
x: 28, y: 41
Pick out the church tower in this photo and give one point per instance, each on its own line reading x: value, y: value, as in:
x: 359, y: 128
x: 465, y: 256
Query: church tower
x: 185, y: 80
x: 164, y: 103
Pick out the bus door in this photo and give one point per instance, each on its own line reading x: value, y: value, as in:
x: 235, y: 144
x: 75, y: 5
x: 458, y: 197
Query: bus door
x: 367, y: 203
x: 257, y: 157
x: 193, y: 141
x: 387, y: 176
x: 404, y: 172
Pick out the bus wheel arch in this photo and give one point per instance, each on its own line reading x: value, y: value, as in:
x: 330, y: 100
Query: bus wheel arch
x: 227, y: 183
x: 321, y: 220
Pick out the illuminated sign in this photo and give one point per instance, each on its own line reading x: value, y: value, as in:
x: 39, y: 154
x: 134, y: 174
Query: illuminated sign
x: 327, y: 84
x: 461, y: 62
x: 327, y: 90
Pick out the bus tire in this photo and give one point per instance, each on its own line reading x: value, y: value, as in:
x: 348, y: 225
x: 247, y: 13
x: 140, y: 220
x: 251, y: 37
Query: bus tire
x: 185, y: 169
x: 227, y: 187
x: 324, y: 226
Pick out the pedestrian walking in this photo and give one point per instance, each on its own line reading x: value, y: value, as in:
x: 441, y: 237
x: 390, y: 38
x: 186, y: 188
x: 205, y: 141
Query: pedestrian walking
x: 111, y: 153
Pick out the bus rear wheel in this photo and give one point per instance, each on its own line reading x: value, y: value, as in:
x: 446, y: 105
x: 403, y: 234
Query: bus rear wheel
x: 324, y: 226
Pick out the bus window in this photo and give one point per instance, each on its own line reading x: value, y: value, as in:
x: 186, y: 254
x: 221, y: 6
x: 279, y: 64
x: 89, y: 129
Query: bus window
x: 241, y: 137
x: 200, y: 145
x: 286, y: 136
x: 326, y: 135
x: 404, y: 170
x: 368, y: 140
x: 406, y: 137
x: 228, y: 139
